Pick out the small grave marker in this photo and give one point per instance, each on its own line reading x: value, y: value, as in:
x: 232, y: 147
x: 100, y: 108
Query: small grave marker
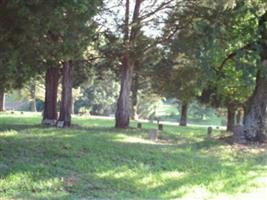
x: 153, y: 134
x: 209, y: 131
x: 160, y: 127
x: 239, y: 135
x: 60, y: 124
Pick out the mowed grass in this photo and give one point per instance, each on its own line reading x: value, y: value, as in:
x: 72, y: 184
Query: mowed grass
x: 96, y: 161
x: 170, y: 112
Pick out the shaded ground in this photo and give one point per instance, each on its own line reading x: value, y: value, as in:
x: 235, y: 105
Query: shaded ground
x: 96, y: 161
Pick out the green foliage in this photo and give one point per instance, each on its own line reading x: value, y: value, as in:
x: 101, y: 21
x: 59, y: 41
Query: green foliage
x: 222, y: 40
x: 100, y: 95
x: 233, y: 81
x: 148, y: 105
x: 176, y: 77
x: 84, y: 111
x: 39, y: 34
x: 201, y: 112
x: 34, y: 88
x: 198, y: 114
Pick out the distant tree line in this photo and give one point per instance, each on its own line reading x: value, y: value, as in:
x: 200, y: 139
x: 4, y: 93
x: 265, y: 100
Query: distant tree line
x: 213, y: 52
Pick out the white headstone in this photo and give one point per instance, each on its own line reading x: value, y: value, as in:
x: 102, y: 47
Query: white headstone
x: 60, y: 124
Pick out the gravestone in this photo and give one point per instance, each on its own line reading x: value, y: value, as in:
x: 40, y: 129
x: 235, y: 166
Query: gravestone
x: 160, y: 127
x: 60, y: 124
x: 209, y: 132
x: 239, y: 136
x: 153, y: 134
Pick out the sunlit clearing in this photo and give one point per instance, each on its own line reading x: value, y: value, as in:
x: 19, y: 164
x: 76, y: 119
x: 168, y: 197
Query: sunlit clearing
x: 130, y: 139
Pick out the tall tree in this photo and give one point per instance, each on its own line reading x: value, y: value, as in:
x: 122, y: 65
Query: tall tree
x: 130, y: 35
x: 214, y: 35
x: 136, y: 17
x: 53, y: 32
x: 66, y: 97
x: 51, y: 87
x: 177, y: 77
x: 255, y: 127
x: 17, y: 33
x: 79, y: 34
x: 253, y: 19
x: 248, y: 27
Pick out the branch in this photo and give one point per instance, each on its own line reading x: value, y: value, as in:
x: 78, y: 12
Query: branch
x: 126, y: 20
x: 162, y: 6
x: 233, y: 54
x: 135, y: 21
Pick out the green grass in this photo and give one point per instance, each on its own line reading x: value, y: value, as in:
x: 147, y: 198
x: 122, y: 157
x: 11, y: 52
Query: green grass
x: 170, y: 112
x: 96, y: 161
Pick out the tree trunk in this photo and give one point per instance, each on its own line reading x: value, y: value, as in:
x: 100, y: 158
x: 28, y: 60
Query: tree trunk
x: 33, y: 105
x: 183, y: 118
x: 239, y: 117
x: 66, y: 96
x: 33, y: 97
x: 230, y: 118
x: 123, y: 113
x: 51, y: 87
x: 130, y: 34
x: 134, y: 98
x: 255, y: 127
x: 2, y: 101
x: 123, y: 105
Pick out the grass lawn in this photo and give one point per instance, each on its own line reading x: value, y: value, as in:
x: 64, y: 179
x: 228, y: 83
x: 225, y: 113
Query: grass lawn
x: 169, y: 112
x: 96, y: 161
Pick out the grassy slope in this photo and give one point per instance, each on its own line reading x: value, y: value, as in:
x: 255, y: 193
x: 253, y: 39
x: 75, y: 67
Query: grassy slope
x: 97, y: 161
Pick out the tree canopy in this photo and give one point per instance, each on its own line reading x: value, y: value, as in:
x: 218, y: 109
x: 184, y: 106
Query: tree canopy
x: 213, y: 52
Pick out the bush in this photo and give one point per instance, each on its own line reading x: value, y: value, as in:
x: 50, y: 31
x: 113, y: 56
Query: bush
x: 84, y: 111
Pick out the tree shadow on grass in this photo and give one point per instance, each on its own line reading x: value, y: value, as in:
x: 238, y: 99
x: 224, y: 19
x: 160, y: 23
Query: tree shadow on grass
x: 18, y: 127
x: 108, y: 166
x: 211, y: 173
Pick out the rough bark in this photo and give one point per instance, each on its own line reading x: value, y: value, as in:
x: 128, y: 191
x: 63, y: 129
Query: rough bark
x: 183, y: 118
x: 66, y: 96
x: 51, y: 87
x: 123, y: 105
x: 255, y: 127
x: 2, y: 101
x: 255, y: 116
x: 230, y: 118
x: 134, y: 114
x: 130, y: 34
x: 239, y: 117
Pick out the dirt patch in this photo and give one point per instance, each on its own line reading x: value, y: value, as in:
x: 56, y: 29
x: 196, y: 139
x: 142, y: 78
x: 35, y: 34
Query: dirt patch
x: 71, y: 181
